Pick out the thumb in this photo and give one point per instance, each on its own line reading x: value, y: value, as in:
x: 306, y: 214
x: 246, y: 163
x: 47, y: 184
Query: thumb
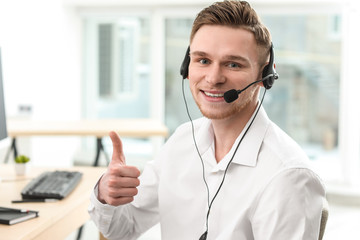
x: 118, y: 154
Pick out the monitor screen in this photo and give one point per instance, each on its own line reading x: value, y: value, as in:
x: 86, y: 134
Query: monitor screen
x: 3, y: 129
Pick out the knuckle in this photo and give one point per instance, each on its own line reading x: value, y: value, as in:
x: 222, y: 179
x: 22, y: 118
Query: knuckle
x: 113, y: 171
x: 128, y: 192
x: 112, y: 182
x: 129, y: 199
x: 112, y: 202
x: 112, y: 192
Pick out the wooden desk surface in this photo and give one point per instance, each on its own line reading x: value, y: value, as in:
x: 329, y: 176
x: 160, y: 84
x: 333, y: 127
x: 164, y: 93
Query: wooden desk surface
x: 98, y: 127
x: 57, y: 219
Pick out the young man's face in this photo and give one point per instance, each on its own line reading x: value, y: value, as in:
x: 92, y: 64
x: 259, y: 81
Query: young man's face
x: 223, y: 58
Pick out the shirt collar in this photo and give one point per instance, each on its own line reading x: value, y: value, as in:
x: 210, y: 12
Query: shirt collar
x: 249, y: 148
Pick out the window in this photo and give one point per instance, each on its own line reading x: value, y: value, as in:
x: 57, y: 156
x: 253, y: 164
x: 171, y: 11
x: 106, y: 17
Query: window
x: 117, y: 59
x: 117, y: 80
x: 316, y: 52
x: 305, y: 100
x: 177, y: 39
x: 118, y: 44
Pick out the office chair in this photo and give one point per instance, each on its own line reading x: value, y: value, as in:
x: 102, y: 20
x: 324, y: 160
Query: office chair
x: 324, y: 218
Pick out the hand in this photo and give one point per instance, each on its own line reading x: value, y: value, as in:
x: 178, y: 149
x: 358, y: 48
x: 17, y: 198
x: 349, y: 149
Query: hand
x: 118, y: 185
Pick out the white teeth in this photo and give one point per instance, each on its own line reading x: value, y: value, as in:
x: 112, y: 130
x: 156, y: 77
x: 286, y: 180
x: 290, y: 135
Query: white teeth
x: 214, y: 94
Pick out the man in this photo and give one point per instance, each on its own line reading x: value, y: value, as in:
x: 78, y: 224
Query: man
x: 230, y: 175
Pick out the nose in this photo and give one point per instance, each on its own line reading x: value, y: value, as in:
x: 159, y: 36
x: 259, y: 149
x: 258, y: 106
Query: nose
x: 214, y: 75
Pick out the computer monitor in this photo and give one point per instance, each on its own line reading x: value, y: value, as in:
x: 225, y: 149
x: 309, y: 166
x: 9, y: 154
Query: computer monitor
x: 3, y: 130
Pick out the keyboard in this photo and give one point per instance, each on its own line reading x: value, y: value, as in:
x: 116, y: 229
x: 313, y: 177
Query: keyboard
x: 52, y: 185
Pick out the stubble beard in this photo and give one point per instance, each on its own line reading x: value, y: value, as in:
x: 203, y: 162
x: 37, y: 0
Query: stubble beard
x: 236, y: 107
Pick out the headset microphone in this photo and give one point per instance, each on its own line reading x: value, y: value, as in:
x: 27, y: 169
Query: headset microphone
x: 233, y: 94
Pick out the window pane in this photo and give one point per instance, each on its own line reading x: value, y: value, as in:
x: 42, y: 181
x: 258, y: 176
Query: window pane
x: 177, y: 40
x: 117, y: 77
x: 305, y: 99
x: 118, y: 64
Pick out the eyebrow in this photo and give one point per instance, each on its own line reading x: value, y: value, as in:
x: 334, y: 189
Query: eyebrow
x: 226, y: 57
x: 198, y: 53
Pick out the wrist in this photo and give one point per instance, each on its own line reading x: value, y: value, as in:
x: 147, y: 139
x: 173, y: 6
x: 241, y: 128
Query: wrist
x: 98, y: 192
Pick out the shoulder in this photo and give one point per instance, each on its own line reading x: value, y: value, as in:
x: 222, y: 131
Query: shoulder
x: 281, y: 148
x: 284, y: 163
x: 295, y: 179
x: 288, y: 168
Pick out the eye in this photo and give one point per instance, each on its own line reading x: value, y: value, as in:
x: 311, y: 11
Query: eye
x: 233, y: 65
x: 204, y: 61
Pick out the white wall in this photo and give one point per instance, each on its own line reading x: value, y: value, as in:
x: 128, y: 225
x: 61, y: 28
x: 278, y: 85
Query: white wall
x: 40, y: 42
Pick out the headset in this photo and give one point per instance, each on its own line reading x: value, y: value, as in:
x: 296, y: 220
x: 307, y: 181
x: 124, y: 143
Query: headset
x: 269, y: 74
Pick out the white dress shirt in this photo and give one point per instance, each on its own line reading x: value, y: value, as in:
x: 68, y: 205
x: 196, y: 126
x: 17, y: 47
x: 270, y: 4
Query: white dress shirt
x: 269, y: 191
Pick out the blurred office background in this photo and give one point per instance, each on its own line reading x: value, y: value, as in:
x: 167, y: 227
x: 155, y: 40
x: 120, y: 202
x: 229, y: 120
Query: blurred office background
x: 74, y: 59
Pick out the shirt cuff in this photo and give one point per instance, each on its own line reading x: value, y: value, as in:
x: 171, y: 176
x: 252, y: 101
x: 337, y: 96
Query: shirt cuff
x: 106, y: 209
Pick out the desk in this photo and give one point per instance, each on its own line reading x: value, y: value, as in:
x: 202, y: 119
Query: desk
x: 98, y: 128
x: 57, y: 219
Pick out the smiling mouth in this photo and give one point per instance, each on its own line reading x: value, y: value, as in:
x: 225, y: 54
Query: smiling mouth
x: 214, y: 95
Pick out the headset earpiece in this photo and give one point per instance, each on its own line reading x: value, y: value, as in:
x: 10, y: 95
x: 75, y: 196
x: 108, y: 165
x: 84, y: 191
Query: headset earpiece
x: 184, y: 69
x: 269, y: 74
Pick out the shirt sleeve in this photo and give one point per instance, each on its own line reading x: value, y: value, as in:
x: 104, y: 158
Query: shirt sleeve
x: 128, y: 221
x: 289, y: 207
x: 101, y: 214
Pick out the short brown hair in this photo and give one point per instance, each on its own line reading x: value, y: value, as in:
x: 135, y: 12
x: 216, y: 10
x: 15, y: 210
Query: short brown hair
x: 236, y: 14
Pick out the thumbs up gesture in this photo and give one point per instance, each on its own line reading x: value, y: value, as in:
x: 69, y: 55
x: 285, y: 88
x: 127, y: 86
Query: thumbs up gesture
x: 118, y: 185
